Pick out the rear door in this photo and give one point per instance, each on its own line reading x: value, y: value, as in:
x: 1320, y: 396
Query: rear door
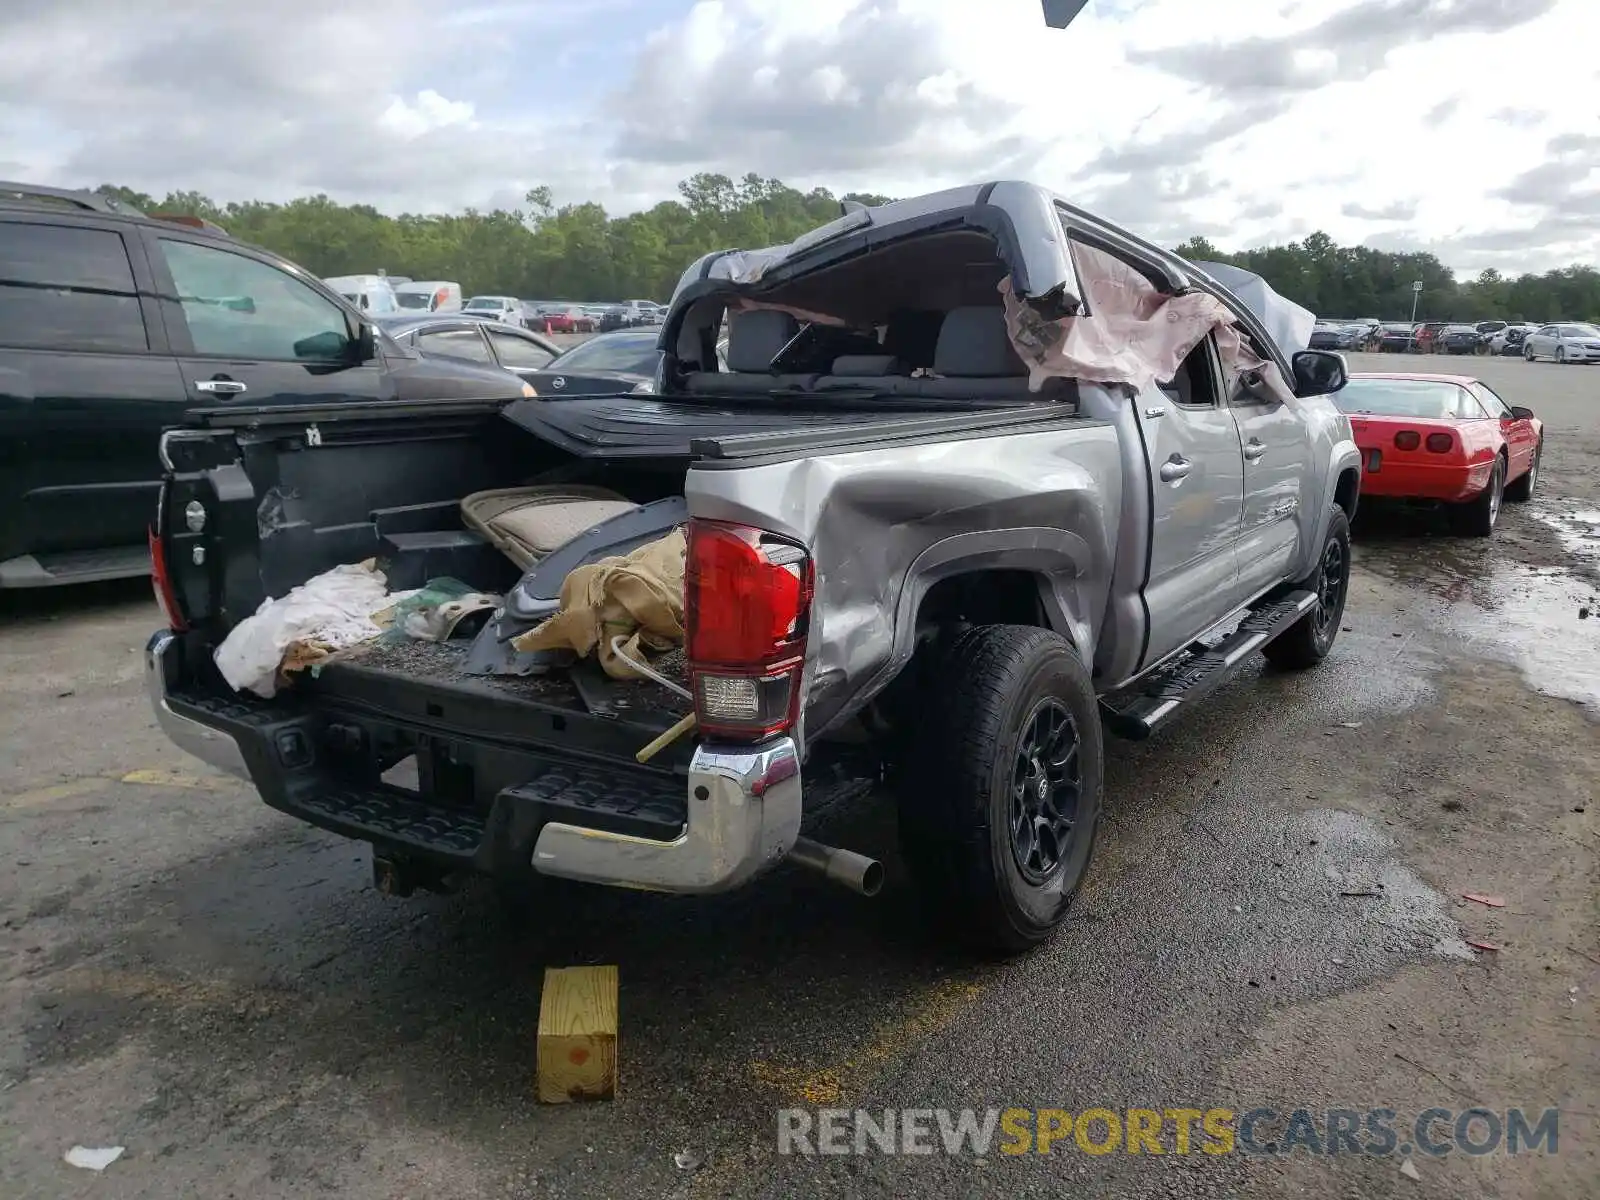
x: 1197, y: 488
x: 1275, y: 443
x: 248, y: 331
x: 86, y: 385
x: 522, y: 355
x: 463, y: 341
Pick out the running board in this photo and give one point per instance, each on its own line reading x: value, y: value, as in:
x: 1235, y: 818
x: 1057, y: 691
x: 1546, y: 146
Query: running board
x: 75, y: 566
x: 1138, y: 713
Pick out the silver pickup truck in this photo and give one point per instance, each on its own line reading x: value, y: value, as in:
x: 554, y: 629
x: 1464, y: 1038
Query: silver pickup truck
x: 979, y: 479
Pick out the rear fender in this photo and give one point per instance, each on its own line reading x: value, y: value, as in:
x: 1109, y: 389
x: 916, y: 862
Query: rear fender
x: 1059, y: 560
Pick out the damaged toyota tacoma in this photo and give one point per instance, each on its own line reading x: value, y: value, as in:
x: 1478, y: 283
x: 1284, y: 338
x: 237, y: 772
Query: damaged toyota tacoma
x: 980, y: 479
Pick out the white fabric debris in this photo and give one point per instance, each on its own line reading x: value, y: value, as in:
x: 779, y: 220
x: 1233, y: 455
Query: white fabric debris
x: 93, y: 1158
x: 332, y: 611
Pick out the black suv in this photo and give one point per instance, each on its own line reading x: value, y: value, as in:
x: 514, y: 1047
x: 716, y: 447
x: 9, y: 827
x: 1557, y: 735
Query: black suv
x: 113, y: 324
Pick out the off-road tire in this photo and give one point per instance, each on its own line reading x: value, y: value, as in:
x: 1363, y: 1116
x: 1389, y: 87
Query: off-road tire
x: 1306, y: 643
x: 1478, y: 517
x: 986, y: 692
x: 1520, y: 490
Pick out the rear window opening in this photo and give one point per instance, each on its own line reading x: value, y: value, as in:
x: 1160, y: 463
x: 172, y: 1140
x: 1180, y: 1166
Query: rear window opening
x: 922, y: 318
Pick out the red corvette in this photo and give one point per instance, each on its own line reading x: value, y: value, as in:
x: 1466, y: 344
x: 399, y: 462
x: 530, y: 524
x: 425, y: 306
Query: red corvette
x: 1447, y: 438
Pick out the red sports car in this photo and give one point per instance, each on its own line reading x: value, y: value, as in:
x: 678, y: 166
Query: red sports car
x: 567, y: 320
x: 1447, y: 438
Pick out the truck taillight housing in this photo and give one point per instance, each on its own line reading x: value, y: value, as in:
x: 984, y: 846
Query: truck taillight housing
x: 161, y: 582
x: 747, y: 608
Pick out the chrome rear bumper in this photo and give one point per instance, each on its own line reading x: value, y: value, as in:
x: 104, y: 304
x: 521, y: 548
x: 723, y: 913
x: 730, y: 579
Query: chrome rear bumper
x: 743, y: 817
x: 210, y: 746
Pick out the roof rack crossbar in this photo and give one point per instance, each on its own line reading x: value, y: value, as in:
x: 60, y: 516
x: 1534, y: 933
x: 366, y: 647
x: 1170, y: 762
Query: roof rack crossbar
x: 81, y: 197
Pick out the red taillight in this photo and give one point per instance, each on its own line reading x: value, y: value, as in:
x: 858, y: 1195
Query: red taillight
x: 1407, y: 439
x: 161, y: 581
x: 1439, y: 443
x: 747, y: 602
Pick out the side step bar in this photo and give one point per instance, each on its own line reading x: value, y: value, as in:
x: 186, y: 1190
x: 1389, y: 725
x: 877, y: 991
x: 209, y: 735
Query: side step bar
x: 1138, y: 714
x: 75, y: 566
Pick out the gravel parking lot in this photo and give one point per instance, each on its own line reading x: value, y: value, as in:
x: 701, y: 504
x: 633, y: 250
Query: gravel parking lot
x: 1274, y: 918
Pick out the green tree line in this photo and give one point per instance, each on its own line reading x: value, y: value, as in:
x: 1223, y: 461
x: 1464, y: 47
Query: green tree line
x: 580, y: 252
x: 1358, y: 281
x: 575, y: 252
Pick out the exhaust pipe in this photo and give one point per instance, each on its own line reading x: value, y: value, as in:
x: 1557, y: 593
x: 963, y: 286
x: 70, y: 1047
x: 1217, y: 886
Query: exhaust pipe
x: 855, y: 871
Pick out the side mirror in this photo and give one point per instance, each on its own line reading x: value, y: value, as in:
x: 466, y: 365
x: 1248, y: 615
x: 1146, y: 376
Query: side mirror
x: 327, y: 347
x: 365, y: 347
x: 1518, y: 413
x: 1318, y: 373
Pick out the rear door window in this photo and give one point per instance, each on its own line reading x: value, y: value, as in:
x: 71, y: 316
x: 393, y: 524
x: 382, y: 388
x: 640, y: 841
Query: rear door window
x: 519, y: 353
x: 455, y: 343
x: 65, y: 287
x: 237, y: 307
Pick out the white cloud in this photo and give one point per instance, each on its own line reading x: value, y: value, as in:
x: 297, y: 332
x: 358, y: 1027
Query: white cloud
x: 428, y: 112
x: 1456, y: 125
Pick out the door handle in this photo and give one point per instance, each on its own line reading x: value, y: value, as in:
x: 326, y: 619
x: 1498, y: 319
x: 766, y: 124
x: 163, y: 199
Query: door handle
x: 1174, y: 469
x: 1254, y: 449
x: 220, y: 387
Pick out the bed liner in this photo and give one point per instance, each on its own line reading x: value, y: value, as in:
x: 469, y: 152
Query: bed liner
x: 639, y: 701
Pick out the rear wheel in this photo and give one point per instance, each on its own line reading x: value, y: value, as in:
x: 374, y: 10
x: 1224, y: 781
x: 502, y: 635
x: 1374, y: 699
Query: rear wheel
x: 1478, y: 516
x: 1001, y: 798
x: 1307, y: 642
x: 1528, y: 354
x: 1520, y: 490
x: 1561, y: 355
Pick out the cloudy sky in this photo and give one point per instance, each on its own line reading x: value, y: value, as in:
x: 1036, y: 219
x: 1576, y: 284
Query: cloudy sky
x: 1467, y: 127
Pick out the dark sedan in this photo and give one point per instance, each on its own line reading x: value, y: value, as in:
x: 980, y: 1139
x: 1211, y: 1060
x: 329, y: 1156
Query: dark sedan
x: 614, y: 317
x: 451, y: 335
x: 1395, y: 338
x: 1457, y: 339
x: 1326, y: 337
x: 624, y: 361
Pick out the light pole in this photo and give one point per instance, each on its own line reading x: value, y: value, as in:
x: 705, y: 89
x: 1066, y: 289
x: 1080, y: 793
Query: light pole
x: 1416, y: 294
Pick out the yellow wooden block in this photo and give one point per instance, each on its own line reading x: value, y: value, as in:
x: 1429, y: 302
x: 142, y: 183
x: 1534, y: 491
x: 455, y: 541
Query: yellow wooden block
x: 578, y: 1034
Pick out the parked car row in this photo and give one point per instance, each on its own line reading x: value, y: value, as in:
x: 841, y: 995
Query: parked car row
x: 1566, y: 342
x: 563, y: 317
x: 384, y: 295
x: 621, y: 361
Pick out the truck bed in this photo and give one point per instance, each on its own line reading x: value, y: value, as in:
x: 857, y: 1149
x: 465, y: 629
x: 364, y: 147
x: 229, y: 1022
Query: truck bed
x: 640, y: 700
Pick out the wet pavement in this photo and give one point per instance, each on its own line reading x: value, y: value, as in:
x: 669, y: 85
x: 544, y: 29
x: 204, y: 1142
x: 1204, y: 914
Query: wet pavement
x: 1274, y: 916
